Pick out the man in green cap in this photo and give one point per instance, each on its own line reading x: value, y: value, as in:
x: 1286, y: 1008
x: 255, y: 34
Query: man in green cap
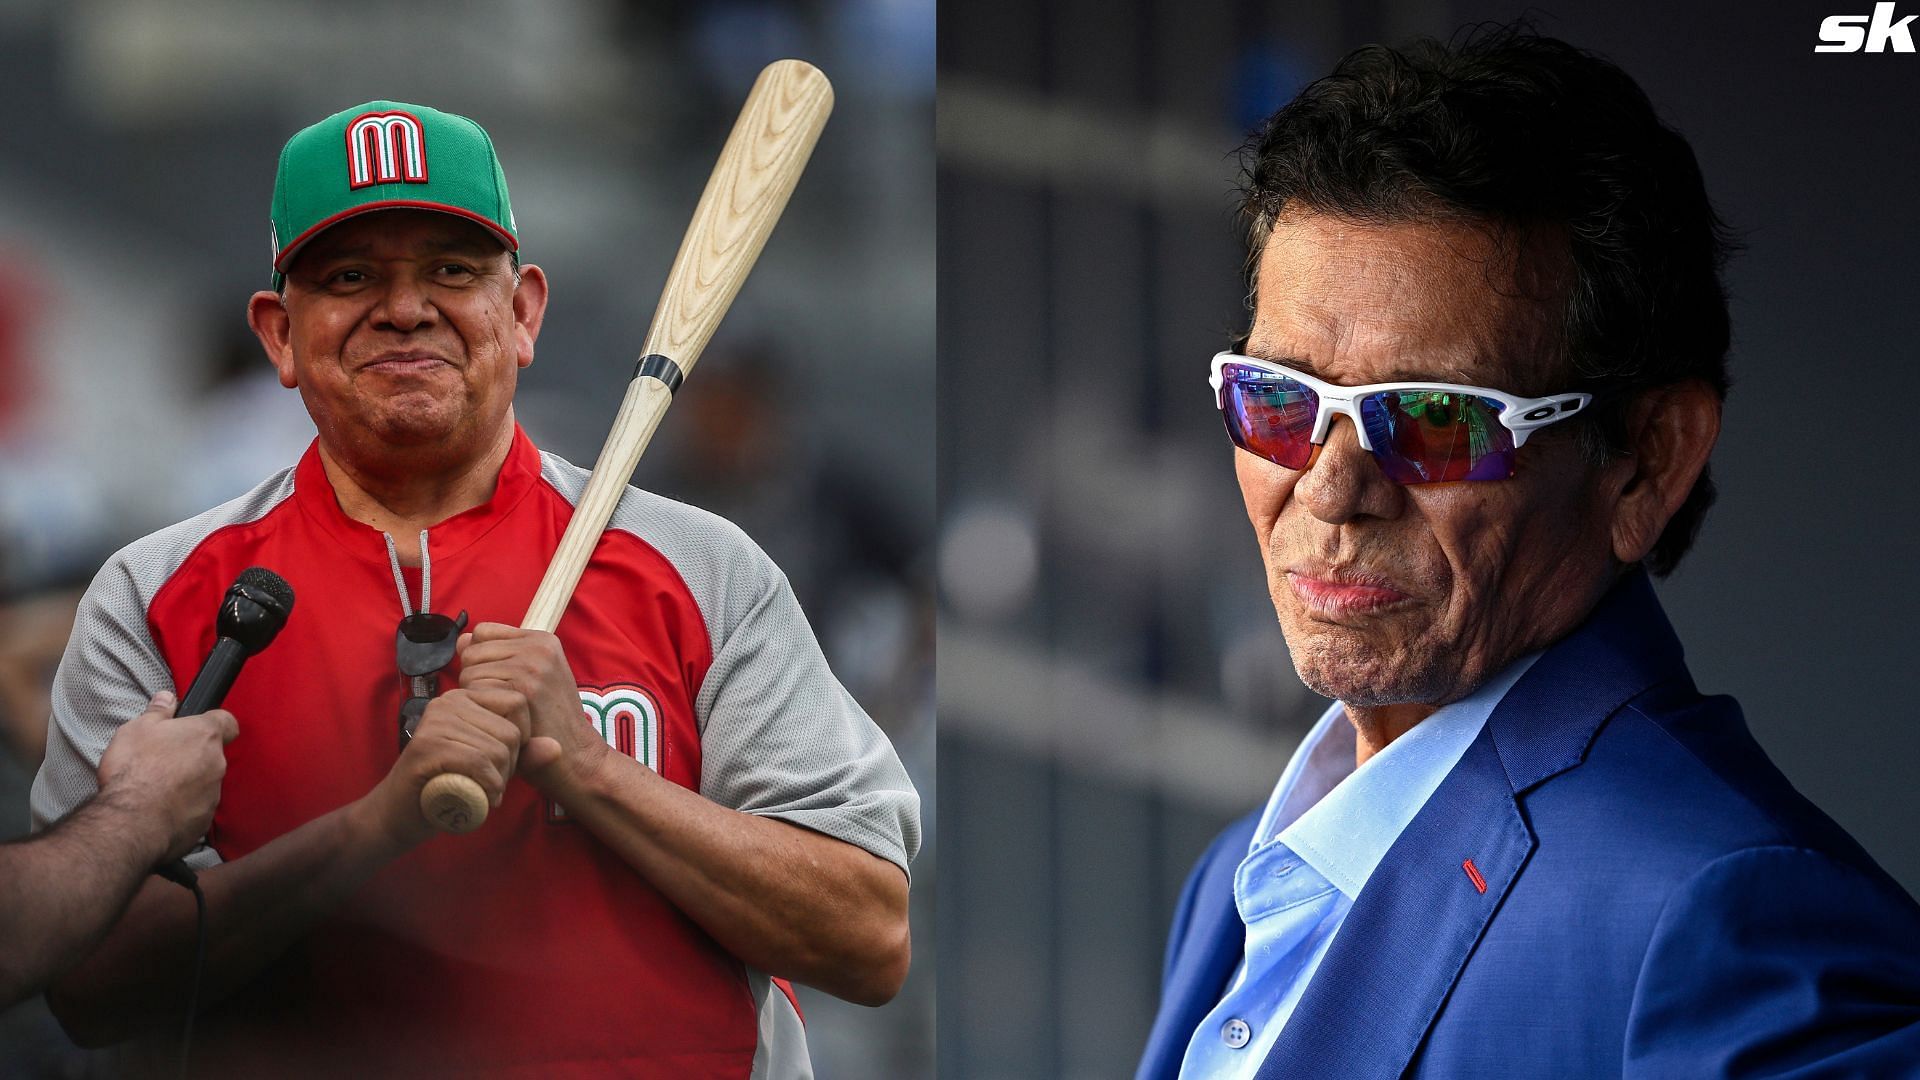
x: 688, y: 807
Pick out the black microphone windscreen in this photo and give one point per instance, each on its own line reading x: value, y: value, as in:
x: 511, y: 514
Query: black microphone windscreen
x: 263, y: 580
x: 254, y: 609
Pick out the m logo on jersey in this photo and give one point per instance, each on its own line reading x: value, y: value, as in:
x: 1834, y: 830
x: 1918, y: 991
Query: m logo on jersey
x: 627, y: 717
x: 386, y: 148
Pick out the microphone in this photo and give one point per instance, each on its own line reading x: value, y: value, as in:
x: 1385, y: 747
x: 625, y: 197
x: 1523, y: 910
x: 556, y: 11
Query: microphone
x: 255, y: 608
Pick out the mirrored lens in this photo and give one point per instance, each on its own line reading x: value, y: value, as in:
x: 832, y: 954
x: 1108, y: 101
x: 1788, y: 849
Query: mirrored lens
x: 1268, y: 414
x: 1426, y: 436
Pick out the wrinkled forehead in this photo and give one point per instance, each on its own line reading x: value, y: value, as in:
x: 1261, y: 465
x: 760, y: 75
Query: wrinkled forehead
x: 1445, y: 301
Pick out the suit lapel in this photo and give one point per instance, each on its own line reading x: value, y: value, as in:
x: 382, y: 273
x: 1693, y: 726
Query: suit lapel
x: 1404, y: 942
x: 1402, y: 946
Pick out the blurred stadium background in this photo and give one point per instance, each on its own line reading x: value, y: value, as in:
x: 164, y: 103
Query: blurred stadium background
x: 138, y: 165
x: 1113, y: 687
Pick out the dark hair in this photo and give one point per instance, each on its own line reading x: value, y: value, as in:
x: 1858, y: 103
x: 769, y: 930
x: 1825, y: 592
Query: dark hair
x: 1512, y: 129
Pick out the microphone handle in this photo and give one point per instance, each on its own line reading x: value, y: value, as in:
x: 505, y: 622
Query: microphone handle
x: 216, y: 677
x: 209, y: 689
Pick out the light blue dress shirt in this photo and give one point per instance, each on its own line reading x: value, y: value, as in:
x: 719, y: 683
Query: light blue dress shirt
x: 1325, y: 828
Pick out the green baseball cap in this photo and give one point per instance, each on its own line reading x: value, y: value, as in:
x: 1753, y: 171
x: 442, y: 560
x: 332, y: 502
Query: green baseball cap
x: 386, y: 155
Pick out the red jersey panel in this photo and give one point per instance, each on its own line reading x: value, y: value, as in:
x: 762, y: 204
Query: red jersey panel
x: 463, y: 947
x: 524, y: 948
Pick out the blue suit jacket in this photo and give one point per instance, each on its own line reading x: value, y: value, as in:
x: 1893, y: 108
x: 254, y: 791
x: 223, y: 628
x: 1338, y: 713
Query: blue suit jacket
x: 1658, y: 901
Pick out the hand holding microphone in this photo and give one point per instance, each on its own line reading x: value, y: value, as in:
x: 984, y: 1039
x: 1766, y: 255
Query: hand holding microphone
x: 254, y: 609
x: 164, y: 771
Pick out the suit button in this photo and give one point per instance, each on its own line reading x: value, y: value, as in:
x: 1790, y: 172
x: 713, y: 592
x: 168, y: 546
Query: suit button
x: 1235, y: 1033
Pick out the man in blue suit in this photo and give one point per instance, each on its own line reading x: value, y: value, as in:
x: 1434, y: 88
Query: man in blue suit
x: 1472, y: 417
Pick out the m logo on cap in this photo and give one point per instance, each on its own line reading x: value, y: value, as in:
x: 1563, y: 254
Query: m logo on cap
x: 386, y: 148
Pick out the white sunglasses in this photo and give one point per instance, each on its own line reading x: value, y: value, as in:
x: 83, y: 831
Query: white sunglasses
x: 1419, y: 432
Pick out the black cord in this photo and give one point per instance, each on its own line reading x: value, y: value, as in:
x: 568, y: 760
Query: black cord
x: 180, y: 873
x: 199, y: 965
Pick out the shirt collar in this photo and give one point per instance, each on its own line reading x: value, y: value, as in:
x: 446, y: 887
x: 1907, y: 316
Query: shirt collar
x: 519, y: 474
x: 1341, y: 820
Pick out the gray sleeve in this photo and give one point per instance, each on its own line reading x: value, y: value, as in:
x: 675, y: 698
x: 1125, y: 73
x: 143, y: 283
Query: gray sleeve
x: 110, y: 670
x: 780, y: 736
x: 112, y: 667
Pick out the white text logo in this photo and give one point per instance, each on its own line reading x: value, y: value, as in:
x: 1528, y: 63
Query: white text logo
x: 1869, y: 33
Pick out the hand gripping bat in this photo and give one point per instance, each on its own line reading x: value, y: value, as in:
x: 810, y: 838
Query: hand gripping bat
x: 756, y: 172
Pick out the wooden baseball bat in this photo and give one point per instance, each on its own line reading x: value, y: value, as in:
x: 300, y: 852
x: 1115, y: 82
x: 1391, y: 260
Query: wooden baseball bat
x: 756, y: 172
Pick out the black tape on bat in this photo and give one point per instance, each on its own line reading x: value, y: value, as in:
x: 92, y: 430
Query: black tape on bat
x: 660, y: 368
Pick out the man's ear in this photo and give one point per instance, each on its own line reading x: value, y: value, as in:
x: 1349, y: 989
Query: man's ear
x: 267, y: 315
x: 529, y: 310
x: 1671, y: 431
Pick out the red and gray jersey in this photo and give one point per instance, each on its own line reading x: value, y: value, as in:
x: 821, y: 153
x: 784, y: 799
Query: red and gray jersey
x: 526, y: 948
